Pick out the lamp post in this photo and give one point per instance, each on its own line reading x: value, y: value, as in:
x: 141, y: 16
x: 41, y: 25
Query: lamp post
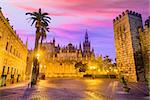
x: 35, y: 69
x: 92, y: 68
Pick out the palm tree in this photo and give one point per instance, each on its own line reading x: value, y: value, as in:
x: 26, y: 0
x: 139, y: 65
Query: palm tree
x: 41, y: 21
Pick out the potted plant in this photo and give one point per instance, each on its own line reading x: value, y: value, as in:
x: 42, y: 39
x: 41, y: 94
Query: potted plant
x: 125, y: 86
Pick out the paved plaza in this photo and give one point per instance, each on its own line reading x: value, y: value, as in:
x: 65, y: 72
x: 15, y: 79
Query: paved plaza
x: 74, y: 89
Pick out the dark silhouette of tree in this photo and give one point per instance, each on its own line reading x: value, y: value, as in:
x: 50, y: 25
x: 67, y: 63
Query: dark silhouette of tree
x: 41, y: 21
x: 82, y: 67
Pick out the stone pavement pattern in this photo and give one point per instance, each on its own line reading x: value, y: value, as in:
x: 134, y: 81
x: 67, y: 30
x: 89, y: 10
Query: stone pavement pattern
x: 75, y: 89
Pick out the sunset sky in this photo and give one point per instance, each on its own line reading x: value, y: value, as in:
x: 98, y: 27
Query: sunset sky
x: 70, y: 19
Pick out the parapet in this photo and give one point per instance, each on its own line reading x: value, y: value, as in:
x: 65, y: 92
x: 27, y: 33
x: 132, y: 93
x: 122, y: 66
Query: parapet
x: 127, y: 12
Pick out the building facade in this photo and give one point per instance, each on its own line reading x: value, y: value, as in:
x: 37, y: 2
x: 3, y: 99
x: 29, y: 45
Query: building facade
x: 13, y: 54
x: 145, y: 45
x: 128, y: 51
x: 57, y: 61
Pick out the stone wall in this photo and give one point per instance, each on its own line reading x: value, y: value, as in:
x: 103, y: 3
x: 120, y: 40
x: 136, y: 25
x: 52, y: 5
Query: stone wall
x: 127, y: 43
x: 145, y: 44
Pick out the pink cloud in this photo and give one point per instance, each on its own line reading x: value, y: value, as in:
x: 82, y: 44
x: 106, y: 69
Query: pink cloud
x: 72, y: 17
x: 64, y: 33
x: 102, y: 8
x: 97, y: 23
x: 32, y: 9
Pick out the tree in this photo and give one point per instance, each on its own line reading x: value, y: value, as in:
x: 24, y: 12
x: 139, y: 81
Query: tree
x: 78, y: 65
x: 41, y: 21
x: 82, y: 67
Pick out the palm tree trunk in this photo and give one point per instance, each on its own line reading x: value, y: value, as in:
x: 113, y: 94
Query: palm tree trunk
x: 35, y: 60
x: 42, y: 40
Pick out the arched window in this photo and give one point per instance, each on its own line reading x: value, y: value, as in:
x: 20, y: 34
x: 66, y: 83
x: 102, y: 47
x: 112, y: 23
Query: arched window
x: 3, y: 70
x: 11, y: 48
x: 7, y: 46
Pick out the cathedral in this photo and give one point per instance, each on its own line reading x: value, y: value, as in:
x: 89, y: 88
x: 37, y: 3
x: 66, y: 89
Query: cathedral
x: 58, y: 61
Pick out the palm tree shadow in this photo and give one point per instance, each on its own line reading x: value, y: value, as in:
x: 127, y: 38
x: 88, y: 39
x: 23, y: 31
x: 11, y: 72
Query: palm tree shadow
x: 28, y: 93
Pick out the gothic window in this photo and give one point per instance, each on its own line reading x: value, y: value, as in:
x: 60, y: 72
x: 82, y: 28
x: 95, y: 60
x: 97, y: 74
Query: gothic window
x: 8, y: 71
x: 7, y: 46
x: 3, y: 70
x: 10, y: 48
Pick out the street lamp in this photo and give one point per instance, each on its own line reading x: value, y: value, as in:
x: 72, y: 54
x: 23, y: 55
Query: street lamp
x: 92, y: 68
x: 38, y: 55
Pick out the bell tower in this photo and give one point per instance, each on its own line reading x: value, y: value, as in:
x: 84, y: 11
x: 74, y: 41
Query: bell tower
x: 86, y: 46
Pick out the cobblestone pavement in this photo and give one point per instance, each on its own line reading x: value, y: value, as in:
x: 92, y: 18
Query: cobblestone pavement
x: 75, y: 89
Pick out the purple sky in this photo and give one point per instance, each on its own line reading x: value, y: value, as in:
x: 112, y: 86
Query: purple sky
x: 70, y: 19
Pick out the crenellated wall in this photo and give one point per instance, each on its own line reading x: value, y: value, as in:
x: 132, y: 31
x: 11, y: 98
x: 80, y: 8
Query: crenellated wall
x: 128, y: 51
x: 127, y: 12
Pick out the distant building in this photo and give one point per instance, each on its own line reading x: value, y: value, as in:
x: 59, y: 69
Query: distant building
x: 128, y: 51
x: 13, y: 54
x: 60, y: 61
x: 145, y: 44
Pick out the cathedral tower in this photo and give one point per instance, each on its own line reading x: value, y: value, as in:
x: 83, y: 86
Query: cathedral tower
x: 86, y: 46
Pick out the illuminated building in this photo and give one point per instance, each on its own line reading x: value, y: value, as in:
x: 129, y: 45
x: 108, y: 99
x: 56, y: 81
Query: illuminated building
x: 56, y: 61
x: 13, y: 54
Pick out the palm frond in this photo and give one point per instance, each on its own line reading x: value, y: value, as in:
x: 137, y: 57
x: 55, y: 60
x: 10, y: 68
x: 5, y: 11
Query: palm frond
x: 33, y: 21
x: 44, y: 14
x: 45, y: 23
x: 46, y: 20
x: 47, y: 17
x: 30, y: 18
x: 32, y: 14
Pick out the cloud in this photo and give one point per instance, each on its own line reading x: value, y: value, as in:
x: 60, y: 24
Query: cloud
x: 70, y: 18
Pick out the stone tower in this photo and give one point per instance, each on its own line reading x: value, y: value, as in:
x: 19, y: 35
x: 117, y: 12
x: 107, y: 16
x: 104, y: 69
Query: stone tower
x: 145, y: 45
x: 86, y: 46
x: 128, y: 50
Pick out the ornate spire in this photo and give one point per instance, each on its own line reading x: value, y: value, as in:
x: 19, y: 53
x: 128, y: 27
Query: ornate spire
x: 58, y: 45
x: 80, y: 48
x: 93, y: 50
x: 86, y: 36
